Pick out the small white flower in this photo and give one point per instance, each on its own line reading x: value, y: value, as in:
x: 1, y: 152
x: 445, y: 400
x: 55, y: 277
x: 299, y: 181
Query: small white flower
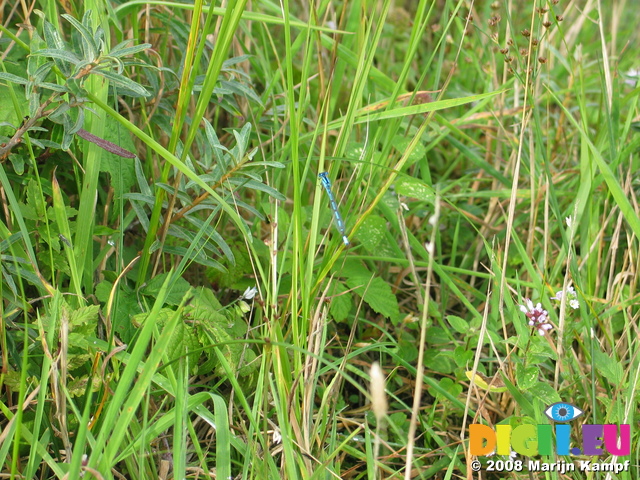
x: 572, y: 297
x: 249, y: 293
x: 569, y: 221
x: 429, y: 247
x: 633, y: 76
x: 543, y: 328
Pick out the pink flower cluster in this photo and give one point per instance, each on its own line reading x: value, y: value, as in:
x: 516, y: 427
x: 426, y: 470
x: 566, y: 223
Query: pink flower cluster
x: 538, y: 317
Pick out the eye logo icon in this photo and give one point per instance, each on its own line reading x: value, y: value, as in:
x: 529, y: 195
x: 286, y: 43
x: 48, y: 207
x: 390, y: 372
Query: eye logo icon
x: 562, y: 412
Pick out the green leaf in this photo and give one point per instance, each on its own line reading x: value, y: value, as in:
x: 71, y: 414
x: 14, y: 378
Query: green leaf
x: 545, y: 393
x: 34, y: 199
x: 217, y: 147
x: 58, y: 54
x: 526, y: 377
x: 608, y: 367
x: 412, y: 187
x: 217, y: 329
x: 54, y: 86
x: 121, y: 170
x: 448, y: 385
x: 89, y: 48
x: 462, y: 356
x: 376, y: 293
x: 9, y: 77
x: 121, y: 51
x: 54, y: 41
x: 372, y: 232
x: 123, y: 82
x: 17, y: 161
x: 401, y: 144
x: 174, y: 296
x: 255, y: 185
x: 460, y: 325
x: 84, y: 316
x: 341, y: 301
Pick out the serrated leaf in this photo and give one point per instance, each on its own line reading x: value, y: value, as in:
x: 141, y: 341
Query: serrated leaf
x: 178, y: 289
x: 608, y: 367
x: 341, y: 302
x: 412, y: 187
x: 216, y: 327
x: 84, y: 316
x: 376, y: 293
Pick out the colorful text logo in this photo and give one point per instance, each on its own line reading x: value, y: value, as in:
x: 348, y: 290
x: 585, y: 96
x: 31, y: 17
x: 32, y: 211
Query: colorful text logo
x: 530, y: 440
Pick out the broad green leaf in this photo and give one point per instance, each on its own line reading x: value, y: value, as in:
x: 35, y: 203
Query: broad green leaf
x: 178, y: 289
x: 608, y: 367
x: 372, y: 232
x: 545, y: 393
x: 341, y: 301
x: 376, y: 293
x: 412, y: 187
x: 526, y: 377
x: 402, y: 143
x: 460, y: 325
x: 84, y: 315
x: 462, y: 356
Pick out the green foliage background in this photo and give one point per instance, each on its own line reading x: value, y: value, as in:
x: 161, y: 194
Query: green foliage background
x: 176, y: 302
